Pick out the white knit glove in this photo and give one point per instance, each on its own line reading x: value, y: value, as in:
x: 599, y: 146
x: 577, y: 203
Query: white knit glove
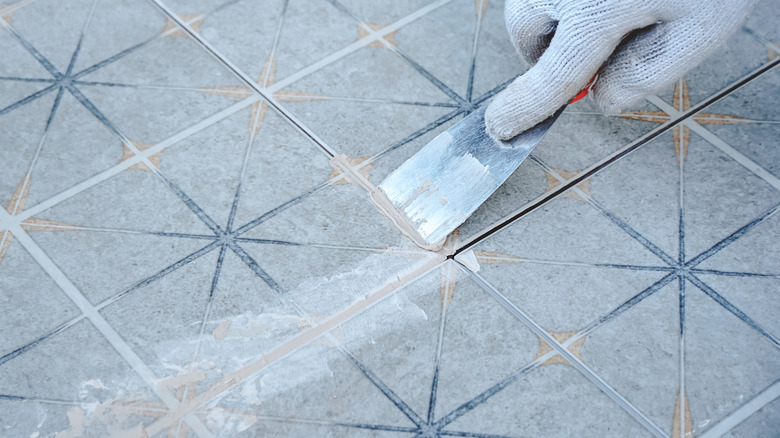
x: 572, y: 39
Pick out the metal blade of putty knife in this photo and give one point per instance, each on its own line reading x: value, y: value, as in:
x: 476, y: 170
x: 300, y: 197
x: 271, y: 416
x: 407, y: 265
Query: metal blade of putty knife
x: 438, y: 188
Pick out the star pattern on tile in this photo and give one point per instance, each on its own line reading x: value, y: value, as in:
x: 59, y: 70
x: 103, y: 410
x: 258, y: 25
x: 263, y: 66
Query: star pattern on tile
x: 682, y: 103
x: 172, y: 30
x: 561, y: 337
x: 128, y: 153
x: 363, y: 32
x: 357, y: 163
x: 553, y: 181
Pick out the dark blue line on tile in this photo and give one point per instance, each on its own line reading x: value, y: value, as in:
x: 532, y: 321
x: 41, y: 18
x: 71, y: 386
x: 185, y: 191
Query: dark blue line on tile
x: 432, y: 79
x: 114, y: 58
x: 636, y: 235
x: 483, y: 397
x: 217, y: 271
x: 54, y: 107
x: 222, y: 6
x: 681, y: 237
x: 165, y: 271
x: 731, y: 238
x: 392, y: 396
x: 470, y: 434
x: 205, y: 218
x: 182, y: 235
x: 420, y: 132
x: 75, y: 92
x: 268, y: 241
x: 733, y: 274
x: 378, y: 427
x: 12, y: 397
x: 434, y: 393
x: 731, y: 308
x: 36, y: 54
x: 75, y: 55
x: 255, y: 267
x: 681, y: 283
x: 470, y: 86
x: 268, y: 215
x: 497, y: 89
x: 233, y: 208
x: 13, y: 78
x: 28, y: 99
x: 668, y: 278
x: 24, y: 348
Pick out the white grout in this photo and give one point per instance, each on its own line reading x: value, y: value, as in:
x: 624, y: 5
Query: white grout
x: 743, y: 412
x: 97, y: 320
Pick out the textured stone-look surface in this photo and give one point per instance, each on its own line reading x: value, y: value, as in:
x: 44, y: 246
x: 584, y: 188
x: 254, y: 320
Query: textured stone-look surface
x: 179, y: 257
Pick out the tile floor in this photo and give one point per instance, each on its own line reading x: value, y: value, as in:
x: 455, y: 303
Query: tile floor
x: 180, y: 258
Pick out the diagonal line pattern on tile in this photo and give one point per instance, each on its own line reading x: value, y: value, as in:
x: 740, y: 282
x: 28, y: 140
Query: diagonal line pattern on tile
x: 595, y: 168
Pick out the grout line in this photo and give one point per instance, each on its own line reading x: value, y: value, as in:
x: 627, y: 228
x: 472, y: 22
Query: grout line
x: 744, y: 412
x: 268, y: 97
x: 235, y: 378
x: 108, y: 173
x: 716, y: 141
x: 363, y: 42
x: 100, y: 323
x: 615, y: 156
x: 570, y: 357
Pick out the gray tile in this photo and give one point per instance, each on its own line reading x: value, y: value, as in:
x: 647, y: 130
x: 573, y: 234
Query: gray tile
x: 33, y: 304
x: 569, y: 230
x: 559, y: 296
x: 211, y: 316
x: 638, y: 354
x: 763, y: 424
x: 753, y: 296
x: 720, y: 196
x: 380, y: 12
x: 160, y: 89
x: 643, y: 190
x: 752, y: 253
x: 22, y: 130
x: 283, y: 165
x: 55, y: 370
x: 316, y: 384
x: 76, y: 147
x: 366, y: 102
x: 762, y: 21
x: 247, y: 34
x: 550, y: 401
x: 755, y: 137
x: 19, y: 64
x: 738, y: 56
x: 726, y: 362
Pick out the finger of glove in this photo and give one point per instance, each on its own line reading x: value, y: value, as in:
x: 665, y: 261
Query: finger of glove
x: 531, y: 25
x: 655, y: 58
x: 576, y: 52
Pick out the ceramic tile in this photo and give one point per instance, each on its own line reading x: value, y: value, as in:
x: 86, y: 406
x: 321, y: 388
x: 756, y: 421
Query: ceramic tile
x: 33, y: 305
x: 763, y: 423
x: 117, y: 233
x: 266, y: 42
x: 550, y: 401
x: 379, y: 12
x: 366, y: 102
x: 212, y: 316
x: 738, y: 56
x: 638, y: 354
x: 265, y: 292
x: 726, y: 361
x: 316, y: 384
x: 755, y: 121
x: 761, y: 21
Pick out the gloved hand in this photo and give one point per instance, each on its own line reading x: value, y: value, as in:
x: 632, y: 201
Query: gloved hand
x: 569, y: 40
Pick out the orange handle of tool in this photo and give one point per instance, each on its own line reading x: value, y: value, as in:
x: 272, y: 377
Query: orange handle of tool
x: 584, y: 91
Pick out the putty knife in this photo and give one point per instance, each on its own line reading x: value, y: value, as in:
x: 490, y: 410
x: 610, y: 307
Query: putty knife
x: 439, y: 187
